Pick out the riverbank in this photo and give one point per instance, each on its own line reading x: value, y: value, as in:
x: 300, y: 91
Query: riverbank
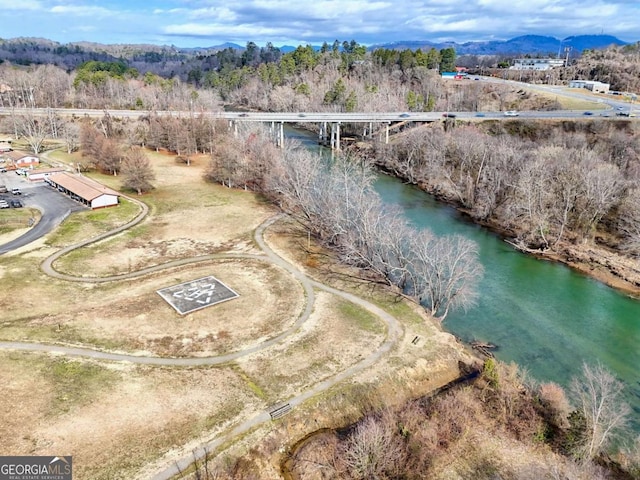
x: 591, y: 259
x: 596, y: 261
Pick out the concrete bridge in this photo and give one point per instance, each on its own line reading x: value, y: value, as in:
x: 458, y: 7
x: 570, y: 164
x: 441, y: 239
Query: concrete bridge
x: 373, y: 123
x: 329, y: 123
x: 328, y: 131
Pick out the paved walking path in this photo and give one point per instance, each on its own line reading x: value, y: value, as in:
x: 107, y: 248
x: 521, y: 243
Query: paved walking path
x: 394, y: 331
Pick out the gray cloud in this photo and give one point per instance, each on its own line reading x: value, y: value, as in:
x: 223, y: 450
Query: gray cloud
x: 209, y: 22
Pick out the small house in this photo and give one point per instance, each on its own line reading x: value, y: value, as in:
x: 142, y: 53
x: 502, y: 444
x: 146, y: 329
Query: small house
x: 22, y: 160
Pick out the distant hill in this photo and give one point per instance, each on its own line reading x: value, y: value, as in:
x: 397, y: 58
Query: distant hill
x: 525, y: 44
x: 169, y: 61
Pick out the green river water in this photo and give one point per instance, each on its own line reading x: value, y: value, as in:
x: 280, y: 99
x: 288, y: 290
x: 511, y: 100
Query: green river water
x: 542, y: 315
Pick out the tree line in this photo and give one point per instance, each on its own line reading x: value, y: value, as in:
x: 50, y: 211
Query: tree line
x: 543, y: 184
x: 335, y: 201
x: 338, y: 77
x: 106, y: 154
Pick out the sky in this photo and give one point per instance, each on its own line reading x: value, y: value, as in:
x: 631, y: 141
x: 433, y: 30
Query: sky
x: 205, y: 23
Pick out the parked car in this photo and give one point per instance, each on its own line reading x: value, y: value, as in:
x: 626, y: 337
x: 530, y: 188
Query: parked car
x: 3, y: 170
x: 4, y: 204
x: 3, y: 189
x: 16, y: 191
x: 16, y: 203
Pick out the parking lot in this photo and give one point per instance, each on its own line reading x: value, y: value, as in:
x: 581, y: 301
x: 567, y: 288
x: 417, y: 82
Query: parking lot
x: 54, y: 206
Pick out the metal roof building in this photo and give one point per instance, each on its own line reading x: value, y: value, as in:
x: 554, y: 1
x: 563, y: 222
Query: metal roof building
x: 84, y: 190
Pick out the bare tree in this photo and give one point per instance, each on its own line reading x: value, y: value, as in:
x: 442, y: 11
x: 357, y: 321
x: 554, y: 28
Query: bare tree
x: 530, y: 199
x: 292, y: 180
x: 602, y: 185
x: 137, y: 171
x: 33, y: 129
x: 628, y: 224
x: 71, y: 135
x: 110, y: 157
x: 374, y: 450
x: 598, y: 395
x: 445, y: 272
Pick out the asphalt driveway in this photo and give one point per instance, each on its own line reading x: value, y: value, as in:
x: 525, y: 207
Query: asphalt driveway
x: 54, y: 206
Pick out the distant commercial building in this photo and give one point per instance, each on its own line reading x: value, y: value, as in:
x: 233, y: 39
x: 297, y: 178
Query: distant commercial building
x: 537, y: 63
x: 595, y: 87
x: 457, y: 75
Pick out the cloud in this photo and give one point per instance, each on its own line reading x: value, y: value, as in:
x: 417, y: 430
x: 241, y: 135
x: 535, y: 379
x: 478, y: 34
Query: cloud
x: 198, y: 22
x: 213, y: 29
x: 81, y: 10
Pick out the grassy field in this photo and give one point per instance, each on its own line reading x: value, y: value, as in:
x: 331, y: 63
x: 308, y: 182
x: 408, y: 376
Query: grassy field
x: 12, y: 219
x: 569, y: 103
x: 120, y: 420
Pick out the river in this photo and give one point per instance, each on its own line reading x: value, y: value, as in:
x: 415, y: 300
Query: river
x: 542, y: 315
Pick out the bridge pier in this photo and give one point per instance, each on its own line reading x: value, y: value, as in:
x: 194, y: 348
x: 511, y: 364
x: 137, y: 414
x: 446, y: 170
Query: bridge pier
x: 335, y: 136
x: 277, y: 134
x: 322, y: 134
x: 233, y: 127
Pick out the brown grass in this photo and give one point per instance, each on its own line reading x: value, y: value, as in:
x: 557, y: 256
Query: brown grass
x: 123, y: 421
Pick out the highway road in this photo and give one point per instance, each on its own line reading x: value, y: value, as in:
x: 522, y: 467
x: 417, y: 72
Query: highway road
x: 614, y: 104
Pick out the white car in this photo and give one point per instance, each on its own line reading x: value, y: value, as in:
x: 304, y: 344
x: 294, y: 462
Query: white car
x: 511, y: 113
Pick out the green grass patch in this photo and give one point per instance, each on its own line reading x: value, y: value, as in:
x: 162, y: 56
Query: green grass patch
x: 254, y: 387
x: 15, y: 218
x: 75, y: 383
x: 362, y: 318
x: 62, y: 156
x: 86, y: 224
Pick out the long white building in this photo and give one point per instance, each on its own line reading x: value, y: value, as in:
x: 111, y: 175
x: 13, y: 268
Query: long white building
x: 83, y: 189
x: 537, y: 63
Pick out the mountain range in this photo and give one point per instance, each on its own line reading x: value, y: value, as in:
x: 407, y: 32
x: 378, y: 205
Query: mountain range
x: 525, y: 44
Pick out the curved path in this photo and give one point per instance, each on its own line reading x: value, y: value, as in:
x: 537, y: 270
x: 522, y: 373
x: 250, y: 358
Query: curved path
x: 394, y: 331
